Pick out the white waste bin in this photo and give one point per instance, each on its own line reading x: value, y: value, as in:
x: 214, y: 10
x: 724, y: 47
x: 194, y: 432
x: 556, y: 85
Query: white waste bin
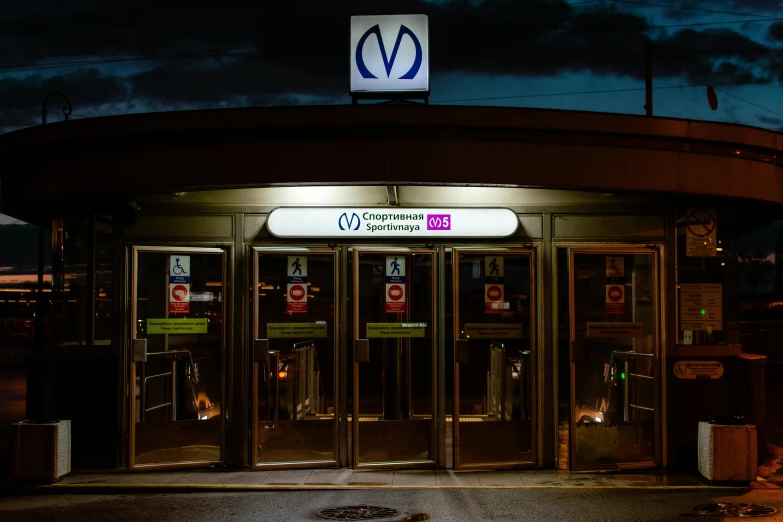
x: 728, y: 453
x: 42, y: 451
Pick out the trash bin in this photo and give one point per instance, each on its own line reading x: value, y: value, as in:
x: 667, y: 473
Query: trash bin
x: 728, y: 449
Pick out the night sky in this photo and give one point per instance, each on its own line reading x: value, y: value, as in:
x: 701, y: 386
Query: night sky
x: 127, y: 57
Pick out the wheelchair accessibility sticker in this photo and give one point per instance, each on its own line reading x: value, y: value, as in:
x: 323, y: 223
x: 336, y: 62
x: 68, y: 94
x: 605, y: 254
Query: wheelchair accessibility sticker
x: 179, y: 269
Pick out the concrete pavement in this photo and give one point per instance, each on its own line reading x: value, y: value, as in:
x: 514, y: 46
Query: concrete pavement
x: 442, y: 504
x: 309, y: 479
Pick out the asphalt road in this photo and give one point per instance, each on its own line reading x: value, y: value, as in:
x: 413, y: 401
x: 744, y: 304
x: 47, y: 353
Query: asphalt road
x: 545, y: 505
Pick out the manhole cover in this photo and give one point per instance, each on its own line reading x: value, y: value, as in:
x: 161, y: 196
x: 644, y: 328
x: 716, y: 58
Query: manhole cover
x: 724, y: 509
x: 357, y: 513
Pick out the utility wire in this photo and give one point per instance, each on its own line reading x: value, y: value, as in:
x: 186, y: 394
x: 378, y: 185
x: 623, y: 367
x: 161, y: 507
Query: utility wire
x: 49, y: 111
x: 604, y: 91
x: 641, y: 30
x: 685, y: 8
x: 231, y: 50
x: 722, y: 91
x: 131, y: 56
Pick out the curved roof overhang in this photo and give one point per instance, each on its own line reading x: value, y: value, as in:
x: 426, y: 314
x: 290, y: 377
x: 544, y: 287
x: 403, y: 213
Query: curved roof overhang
x: 114, y: 159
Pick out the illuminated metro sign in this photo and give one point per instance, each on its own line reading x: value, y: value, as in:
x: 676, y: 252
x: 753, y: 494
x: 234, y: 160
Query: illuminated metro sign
x: 391, y: 222
x: 390, y: 53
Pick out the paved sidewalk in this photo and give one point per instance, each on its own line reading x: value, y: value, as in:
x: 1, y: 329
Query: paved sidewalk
x: 300, y: 479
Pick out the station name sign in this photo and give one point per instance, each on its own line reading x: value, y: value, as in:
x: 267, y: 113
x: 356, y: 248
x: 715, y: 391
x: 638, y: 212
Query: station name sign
x: 294, y: 222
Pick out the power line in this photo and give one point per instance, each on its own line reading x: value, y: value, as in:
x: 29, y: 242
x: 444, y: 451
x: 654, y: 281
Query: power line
x: 728, y: 93
x: 132, y: 56
x: 685, y: 8
x: 230, y: 51
x: 604, y: 91
x: 701, y: 24
x: 48, y: 111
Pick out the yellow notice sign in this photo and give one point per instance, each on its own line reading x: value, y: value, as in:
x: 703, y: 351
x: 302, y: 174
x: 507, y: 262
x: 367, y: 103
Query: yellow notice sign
x: 176, y: 326
x: 698, y: 369
x: 615, y: 329
x: 287, y: 330
x: 493, y: 331
x: 391, y: 330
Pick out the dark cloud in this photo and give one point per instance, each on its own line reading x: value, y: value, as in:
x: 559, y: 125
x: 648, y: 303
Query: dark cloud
x: 301, y: 48
x: 776, y: 32
x: 769, y: 120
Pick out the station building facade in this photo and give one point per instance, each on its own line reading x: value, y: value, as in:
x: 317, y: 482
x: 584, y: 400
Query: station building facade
x: 390, y: 286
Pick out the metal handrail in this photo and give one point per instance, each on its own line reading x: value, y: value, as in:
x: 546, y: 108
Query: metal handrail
x: 159, y: 406
x: 193, y: 377
x: 610, y: 377
x: 154, y: 376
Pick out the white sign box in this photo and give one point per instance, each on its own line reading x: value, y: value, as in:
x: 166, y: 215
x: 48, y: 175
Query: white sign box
x: 389, y: 53
x: 391, y: 222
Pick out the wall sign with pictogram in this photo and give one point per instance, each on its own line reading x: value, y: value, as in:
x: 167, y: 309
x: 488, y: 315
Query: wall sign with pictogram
x: 179, y: 284
x: 395, y: 284
x: 494, y: 289
x: 179, y: 298
x: 296, y: 285
x: 701, y: 236
x: 615, y: 299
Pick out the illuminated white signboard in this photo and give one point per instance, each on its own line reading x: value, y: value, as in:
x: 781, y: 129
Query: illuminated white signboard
x: 391, y: 222
x: 389, y: 53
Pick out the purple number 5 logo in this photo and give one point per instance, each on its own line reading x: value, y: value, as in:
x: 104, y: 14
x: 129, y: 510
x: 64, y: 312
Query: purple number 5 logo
x: 438, y: 221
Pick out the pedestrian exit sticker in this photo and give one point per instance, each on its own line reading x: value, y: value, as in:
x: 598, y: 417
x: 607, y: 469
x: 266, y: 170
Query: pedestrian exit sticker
x: 296, y: 285
x: 395, y: 284
x: 494, y: 289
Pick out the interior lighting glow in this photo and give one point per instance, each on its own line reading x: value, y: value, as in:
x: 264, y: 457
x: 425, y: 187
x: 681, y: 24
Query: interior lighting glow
x: 282, y: 375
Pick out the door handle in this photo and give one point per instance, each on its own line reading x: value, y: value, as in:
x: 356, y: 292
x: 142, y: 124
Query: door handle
x: 463, y: 351
x: 361, y: 350
x: 261, y: 351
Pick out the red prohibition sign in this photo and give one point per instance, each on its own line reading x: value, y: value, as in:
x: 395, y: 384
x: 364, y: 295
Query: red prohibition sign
x: 395, y: 292
x: 179, y: 292
x: 297, y: 292
x: 700, y: 218
x: 615, y: 293
x: 494, y: 293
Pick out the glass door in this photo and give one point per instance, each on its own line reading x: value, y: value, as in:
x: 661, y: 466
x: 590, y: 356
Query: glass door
x: 494, y: 358
x: 394, y: 358
x: 295, y: 357
x: 615, y: 340
x: 177, y: 341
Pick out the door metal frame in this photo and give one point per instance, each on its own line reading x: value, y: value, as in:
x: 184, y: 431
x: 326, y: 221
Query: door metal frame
x: 283, y: 250
x: 433, y: 252
x: 135, y: 251
x: 656, y: 250
x: 534, y: 355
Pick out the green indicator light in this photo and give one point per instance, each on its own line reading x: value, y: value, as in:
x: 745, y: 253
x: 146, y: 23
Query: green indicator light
x: 703, y: 311
x: 622, y: 375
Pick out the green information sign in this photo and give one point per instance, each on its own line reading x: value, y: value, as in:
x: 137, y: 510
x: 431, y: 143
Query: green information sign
x: 285, y: 330
x: 390, y: 330
x: 177, y: 326
x: 493, y: 331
